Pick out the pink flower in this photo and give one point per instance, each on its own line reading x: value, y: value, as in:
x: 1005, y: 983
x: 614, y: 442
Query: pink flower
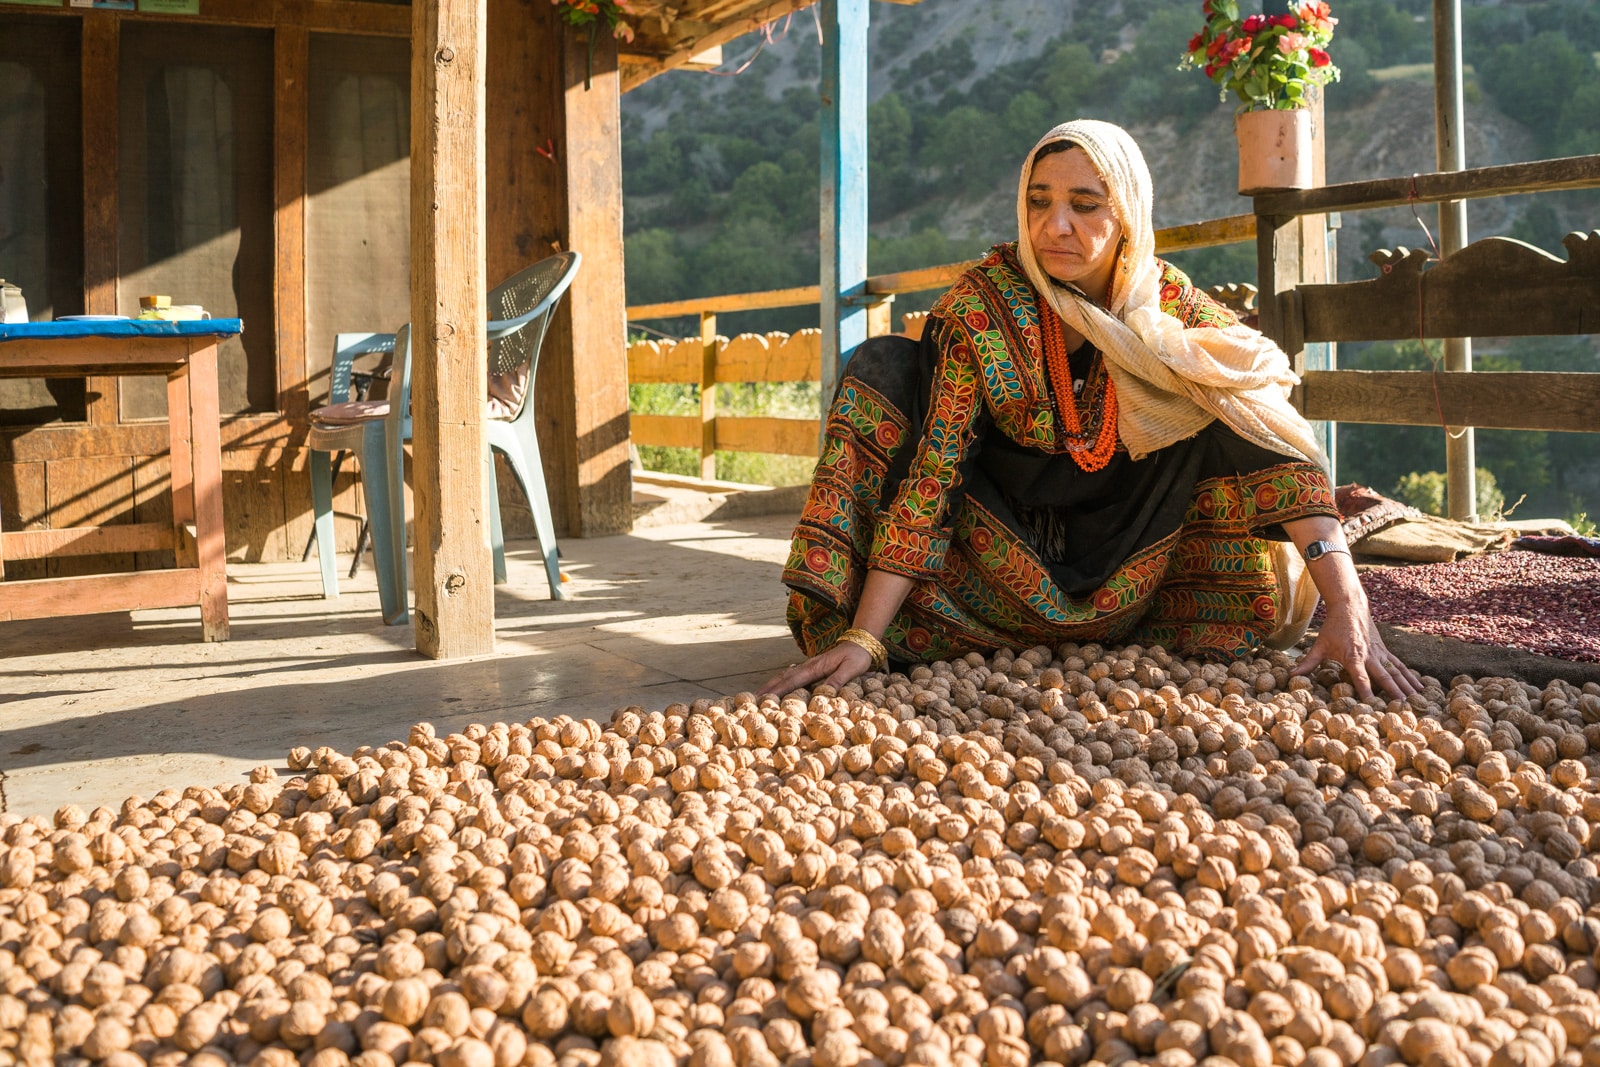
x: 1291, y: 43
x: 622, y: 31
x: 1254, y: 24
x: 1319, y: 58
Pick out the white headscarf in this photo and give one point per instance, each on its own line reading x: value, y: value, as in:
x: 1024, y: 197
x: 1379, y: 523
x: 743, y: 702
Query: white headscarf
x: 1171, y: 380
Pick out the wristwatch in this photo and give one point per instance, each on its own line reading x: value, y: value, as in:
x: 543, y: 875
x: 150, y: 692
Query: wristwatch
x: 1317, y: 549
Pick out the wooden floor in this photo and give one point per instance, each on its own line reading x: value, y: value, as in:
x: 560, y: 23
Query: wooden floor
x: 98, y: 708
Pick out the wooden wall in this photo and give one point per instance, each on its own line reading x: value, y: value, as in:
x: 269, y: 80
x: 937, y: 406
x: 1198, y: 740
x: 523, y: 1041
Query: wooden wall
x: 109, y: 468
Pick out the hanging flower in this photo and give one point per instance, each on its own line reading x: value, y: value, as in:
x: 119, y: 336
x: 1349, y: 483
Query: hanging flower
x: 1270, y: 62
x: 589, y: 14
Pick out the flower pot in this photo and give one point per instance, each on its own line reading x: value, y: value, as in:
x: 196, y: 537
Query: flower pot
x: 1274, y: 150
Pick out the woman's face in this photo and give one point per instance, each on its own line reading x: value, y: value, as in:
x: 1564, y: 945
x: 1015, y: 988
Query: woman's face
x: 1075, y: 232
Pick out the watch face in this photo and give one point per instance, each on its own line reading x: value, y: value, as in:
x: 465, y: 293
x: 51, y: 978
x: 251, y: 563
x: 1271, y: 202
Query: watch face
x: 1316, y: 550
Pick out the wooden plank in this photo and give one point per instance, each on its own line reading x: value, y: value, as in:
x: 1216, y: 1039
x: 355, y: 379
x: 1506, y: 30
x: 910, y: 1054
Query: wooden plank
x: 152, y: 502
x: 249, y: 434
x: 454, y: 570
x: 790, y: 437
x: 344, y: 16
x: 23, y: 506
x: 1501, y: 400
x: 57, y: 356
x: 776, y: 357
x: 642, y: 69
x: 1230, y: 230
x: 99, y: 95
x: 86, y: 541
x: 89, y: 492
x: 1549, y: 175
x: 291, y: 46
x: 670, y: 431
x: 665, y: 361
x: 760, y: 301
x: 252, y: 500
x: 1496, y: 287
x: 99, y: 593
x: 206, y: 448
x: 708, y: 395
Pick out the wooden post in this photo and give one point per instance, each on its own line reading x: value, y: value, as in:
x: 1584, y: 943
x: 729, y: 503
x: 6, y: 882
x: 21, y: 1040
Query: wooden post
x: 555, y: 182
x: 1317, y: 264
x: 708, y: 395
x: 100, y: 135
x: 1460, y: 452
x: 844, y: 186
x: 291, y: 47
x: 454, y: 568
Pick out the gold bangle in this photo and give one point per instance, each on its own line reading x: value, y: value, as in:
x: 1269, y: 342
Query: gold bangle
x: 874, y: 647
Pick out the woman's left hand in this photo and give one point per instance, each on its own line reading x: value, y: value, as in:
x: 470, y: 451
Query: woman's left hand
x: 1350, y: 636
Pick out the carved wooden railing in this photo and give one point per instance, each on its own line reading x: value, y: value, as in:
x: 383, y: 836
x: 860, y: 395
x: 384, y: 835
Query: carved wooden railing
x: 709, y: 359
x: 1495, y: 287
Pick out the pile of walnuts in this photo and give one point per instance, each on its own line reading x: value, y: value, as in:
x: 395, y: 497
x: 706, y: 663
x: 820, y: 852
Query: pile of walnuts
x: 1070, y: 856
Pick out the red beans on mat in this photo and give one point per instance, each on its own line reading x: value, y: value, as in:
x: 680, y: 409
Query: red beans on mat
x: 1549, y: 605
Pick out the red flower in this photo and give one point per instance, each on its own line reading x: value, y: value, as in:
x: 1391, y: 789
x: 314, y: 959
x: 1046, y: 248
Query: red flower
x: 1211, y: 70
x: 1238, y: 48
x: 1286, y: 21
x: 1196, y: 41
x: 1254, y: 24
x: 1216, y: 47
x: 1319, y: 58
x: 1206, y: 7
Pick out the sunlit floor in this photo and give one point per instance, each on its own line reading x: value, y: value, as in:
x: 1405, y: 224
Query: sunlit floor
x: 98, y: 708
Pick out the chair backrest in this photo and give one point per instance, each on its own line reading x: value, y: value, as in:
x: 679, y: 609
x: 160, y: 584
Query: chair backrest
x: 519, y: 316
x: 346, y: 348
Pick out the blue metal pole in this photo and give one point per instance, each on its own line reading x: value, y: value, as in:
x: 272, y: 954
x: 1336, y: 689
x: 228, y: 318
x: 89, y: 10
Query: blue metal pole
x: 844, y: 186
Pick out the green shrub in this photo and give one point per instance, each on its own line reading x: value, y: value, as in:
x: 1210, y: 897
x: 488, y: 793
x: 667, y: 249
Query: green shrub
x: 1426, y: 491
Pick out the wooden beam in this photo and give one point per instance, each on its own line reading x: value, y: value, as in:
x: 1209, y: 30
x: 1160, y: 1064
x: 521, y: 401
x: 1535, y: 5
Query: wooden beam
x: 708, y: 395
x: 1547, y: 175
x: 51, y: 597
x: 343, y: 16
x: 800, y: 296
x: 454, y: 569
x: 86, y: 541
x: 291, y: 46
x: 1499, y: 400
x: 252, y: 434
x: 642, y: 69
x: 100, y: 96
x: 843, y: 186
x: 555, y: 182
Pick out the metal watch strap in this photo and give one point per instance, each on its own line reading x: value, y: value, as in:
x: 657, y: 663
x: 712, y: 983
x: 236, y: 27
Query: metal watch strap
x: 1317, y: 549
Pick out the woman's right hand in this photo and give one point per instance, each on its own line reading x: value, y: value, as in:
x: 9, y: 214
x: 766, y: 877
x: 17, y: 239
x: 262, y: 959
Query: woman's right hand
x: 842, y: 663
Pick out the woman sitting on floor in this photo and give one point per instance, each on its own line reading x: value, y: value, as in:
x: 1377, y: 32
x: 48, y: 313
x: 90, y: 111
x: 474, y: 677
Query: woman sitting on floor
x: 1115, y: 462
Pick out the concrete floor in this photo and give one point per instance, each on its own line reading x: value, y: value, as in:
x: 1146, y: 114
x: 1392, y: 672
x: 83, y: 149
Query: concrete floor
x: 97, y: 708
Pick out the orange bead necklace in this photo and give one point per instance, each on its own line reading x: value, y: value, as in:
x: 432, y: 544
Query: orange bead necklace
x: 1089, y: 456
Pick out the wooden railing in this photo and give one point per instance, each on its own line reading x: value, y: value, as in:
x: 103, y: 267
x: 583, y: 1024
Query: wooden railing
x: 1495, y: 287
x: 709, y: 359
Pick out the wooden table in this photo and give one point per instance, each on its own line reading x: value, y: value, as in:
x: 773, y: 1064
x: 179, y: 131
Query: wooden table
x: 185, y: 353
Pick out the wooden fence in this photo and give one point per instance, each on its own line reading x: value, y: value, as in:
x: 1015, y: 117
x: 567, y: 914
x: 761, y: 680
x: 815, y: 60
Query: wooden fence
x: 1495, y: 287
x: 710, y: 359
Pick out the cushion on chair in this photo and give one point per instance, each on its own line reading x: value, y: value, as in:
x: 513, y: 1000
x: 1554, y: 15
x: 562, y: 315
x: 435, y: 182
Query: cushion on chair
x: 352, y: 411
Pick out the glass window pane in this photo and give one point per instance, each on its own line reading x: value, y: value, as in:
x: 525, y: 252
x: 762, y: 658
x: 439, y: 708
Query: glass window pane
x: 41, y: 196
x: 358, y: 232
x: 195, y: 186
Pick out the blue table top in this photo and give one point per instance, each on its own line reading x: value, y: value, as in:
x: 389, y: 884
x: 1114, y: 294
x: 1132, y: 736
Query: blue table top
x: 121, y: 328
